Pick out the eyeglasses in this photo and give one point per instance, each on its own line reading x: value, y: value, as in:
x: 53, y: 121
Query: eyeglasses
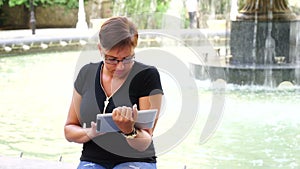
x: 114, y: 61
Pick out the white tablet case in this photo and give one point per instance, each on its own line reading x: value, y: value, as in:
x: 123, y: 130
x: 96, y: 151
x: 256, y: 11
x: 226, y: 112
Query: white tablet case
x: 145, y: 120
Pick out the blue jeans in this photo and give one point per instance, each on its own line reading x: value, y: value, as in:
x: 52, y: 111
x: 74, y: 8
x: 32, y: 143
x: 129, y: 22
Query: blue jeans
x: 127, y: 165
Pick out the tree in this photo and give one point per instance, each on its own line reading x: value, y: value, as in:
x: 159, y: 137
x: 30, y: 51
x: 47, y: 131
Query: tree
x: 145, y: 13
x: 66, y: 3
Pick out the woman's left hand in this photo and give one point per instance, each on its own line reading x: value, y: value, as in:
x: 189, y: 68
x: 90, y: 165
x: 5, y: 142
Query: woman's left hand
x: 125, y: 118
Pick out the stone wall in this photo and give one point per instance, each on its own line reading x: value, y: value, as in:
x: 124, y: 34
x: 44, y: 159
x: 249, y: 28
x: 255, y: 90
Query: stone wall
x: 13, y: 17
x: 55, y: 16
x: 52, y: 16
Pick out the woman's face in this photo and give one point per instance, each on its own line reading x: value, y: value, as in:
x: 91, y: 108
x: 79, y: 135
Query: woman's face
x: 118, y: 62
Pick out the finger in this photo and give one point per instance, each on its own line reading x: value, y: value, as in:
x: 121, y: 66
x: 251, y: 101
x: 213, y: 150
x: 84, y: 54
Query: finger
x: 93, y: 124
x: 94, y: 127
x: 128, y: 113
x: 134, y: 112
x: 123, y: 112
x: 116, y: 112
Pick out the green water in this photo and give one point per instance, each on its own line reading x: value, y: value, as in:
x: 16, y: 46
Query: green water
x: 259, y: 127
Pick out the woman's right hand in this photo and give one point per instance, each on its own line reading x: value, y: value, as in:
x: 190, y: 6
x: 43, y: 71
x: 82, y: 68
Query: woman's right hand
x: 91, y: 132
x: 74, y: 132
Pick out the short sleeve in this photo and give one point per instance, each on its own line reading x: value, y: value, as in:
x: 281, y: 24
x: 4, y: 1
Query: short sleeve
x: 147, y: 83
x: 79, y: 82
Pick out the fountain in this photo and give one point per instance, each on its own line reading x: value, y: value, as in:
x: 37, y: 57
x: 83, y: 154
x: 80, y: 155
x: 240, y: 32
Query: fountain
x: 264, y: 46
x: 274, y: 132
x: 81, y: 23
x: 264, y: 43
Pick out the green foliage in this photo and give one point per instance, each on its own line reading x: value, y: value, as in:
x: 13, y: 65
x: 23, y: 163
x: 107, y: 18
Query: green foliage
x: 17, y: 2
x: 130, y: 7
x: 145, y: 13
x: 218, y: 6
x: 66, y: 3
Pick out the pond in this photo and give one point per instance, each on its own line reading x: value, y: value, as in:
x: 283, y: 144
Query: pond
x: 259, y: 127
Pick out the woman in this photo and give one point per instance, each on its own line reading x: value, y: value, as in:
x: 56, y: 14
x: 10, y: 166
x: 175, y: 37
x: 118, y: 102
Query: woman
x: 117, y: 85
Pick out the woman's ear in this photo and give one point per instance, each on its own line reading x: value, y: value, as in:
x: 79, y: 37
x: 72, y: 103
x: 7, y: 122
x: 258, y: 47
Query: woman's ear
x: 99, y: 47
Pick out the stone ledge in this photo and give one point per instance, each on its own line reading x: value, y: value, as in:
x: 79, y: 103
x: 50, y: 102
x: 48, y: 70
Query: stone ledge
x: 23, y: 163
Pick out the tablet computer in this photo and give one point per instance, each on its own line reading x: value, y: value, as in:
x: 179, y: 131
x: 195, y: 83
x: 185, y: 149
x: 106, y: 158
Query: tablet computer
x: 145, y: 120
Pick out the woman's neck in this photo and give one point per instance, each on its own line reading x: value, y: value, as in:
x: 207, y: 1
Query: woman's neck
x: 110, y: 83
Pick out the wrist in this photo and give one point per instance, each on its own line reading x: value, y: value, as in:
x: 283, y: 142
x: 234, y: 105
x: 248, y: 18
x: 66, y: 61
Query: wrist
x: 130, y: 135
x: 128, y: 131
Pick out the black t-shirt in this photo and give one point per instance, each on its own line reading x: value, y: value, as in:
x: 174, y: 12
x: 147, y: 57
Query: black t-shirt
x: 143, y: 80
